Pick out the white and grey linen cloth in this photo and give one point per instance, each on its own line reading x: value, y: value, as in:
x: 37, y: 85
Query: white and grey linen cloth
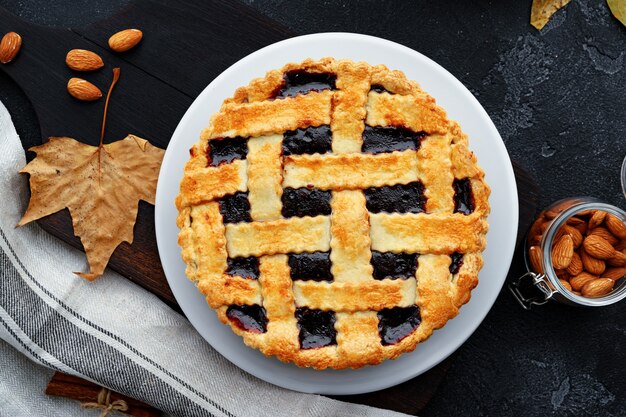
x: 111, y: 331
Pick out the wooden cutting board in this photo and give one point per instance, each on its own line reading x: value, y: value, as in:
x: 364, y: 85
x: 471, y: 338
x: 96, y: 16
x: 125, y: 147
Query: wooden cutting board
x: 186, y: 45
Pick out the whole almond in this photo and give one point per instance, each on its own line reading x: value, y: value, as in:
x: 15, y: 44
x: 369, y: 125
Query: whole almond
x: 534, y: 255
x: 580, y: 280
x: 551, y: 214
x: 591, y: 264
x: 559, y: 234
x: 562, y: 252
x: 577, y: 237
x: 543, y: 227
x: 616, y: 226
x: 125, y: 40
x: 575, y: 221
x: 614, y: 273
x: 566, y: 284
x: 604, y: 233
x: 596, y: 219
x: 585, y: 213
x: 598, y: 247
x: 619, y: 259
x: 9, y: 47
x: 535, y: 240
x: 597, y: 287
x: 575, y: 266
x: 83, y: 60
x: 562, y: 274
x: 582, y: 228
x: 83, y: 90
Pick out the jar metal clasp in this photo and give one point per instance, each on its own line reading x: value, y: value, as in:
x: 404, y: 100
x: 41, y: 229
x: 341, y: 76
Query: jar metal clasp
x: 527, y: 300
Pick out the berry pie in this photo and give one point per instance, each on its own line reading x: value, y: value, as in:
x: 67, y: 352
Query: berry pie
x: 333, y: 215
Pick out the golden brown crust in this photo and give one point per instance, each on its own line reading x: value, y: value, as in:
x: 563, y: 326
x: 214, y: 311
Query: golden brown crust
x: 350, y: 171
x: 351, y: 233
x: 439, y: 233
x: 294, y: 235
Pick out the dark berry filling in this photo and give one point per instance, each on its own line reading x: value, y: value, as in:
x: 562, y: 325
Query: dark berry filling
x: 394, y: 265
x: 225, y: 150
x: 317, y: 328
x: 235, y: 208
x: 377, y: 88
x: 251, y: 318
x: 310, y: 140
x: 314, y: 266
x: 300, y: 202
x: 301, y: 82
x: 397, y: 323
x: 403, y: 198
x: 457, y: 262
x: 388, y: 139
x: 463, y: 197
x: 243, y: 267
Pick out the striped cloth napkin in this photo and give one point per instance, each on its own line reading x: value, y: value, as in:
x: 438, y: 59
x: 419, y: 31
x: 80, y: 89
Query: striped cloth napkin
x: 113, y: 332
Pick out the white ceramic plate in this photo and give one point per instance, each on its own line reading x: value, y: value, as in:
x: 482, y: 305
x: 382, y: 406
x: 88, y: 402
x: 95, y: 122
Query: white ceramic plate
x: 484, y: 141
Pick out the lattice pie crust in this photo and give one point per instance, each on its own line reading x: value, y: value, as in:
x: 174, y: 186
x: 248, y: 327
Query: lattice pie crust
x: 332, y: 215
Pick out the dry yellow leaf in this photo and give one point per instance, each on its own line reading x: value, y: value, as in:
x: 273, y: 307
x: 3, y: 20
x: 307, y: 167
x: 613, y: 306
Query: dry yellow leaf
x: 542, y: 10
x: 618, y: 8
x: 101, y: 187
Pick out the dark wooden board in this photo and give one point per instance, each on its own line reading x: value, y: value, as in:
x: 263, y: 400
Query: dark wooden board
x: 186, y: 45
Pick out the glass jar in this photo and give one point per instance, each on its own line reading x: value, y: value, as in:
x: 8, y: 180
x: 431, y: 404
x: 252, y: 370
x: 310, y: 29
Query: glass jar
x: 541, y: 283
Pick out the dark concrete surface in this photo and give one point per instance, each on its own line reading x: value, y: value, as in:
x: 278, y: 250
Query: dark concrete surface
x: 558, y: 98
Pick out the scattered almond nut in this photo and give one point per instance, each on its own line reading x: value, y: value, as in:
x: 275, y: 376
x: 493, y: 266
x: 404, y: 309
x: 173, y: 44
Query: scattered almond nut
x: 83, y: 90
x: 125, y: 40
x: 83, y: 60
x: 562, y: 252
x: 597, y: 287
x: 9, y: 47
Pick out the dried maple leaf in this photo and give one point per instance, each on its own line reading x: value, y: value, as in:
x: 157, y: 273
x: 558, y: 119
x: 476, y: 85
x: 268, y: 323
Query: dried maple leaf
x: 100, y: 185
x: 542, y: 11
x: 618, y: 8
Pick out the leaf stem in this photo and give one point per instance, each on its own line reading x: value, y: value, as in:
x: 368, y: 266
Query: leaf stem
x: 116, y: 76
